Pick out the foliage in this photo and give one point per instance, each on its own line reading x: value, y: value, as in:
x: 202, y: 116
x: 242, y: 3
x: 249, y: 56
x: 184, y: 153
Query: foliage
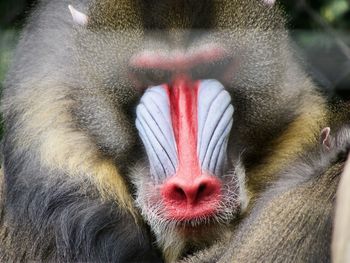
x: 8, y: 38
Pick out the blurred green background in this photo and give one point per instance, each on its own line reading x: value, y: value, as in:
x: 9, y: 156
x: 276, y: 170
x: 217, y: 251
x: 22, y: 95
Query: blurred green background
x: 320, y: 29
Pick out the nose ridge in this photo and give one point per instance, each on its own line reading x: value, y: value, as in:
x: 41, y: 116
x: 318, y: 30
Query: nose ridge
x: 191, y: 192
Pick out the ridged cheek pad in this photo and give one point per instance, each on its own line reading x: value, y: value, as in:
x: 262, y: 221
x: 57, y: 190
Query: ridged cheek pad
x: 185, y: 127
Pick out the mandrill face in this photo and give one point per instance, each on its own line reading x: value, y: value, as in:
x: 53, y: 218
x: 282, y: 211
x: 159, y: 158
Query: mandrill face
x: 195, y: 191
x: 199, y: 85
x: 185, y: 128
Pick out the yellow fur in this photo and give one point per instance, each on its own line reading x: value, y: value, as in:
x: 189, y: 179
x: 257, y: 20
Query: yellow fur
x: 299, y: 134
x: 48, y: 124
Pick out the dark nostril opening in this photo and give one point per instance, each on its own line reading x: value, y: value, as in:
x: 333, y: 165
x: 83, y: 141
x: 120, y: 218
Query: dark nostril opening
x: 201, y: 189
x: 179, y: 193
x: 203, y: 192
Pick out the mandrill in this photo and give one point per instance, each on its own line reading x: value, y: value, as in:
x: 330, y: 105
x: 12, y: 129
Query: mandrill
x: 158, y: 131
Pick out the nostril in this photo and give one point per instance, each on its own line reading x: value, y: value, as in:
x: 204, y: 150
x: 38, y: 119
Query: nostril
x: 179, y: 194
x: 201, y: 190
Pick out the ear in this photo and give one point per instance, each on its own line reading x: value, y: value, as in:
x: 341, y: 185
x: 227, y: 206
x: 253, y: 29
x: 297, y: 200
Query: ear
x: 269, y: 2
x: 326, y: 138
x: 79, y: 18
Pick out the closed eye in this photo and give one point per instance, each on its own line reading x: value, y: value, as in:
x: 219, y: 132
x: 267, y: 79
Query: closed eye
x: 212, y: 70
x: 150, y: 76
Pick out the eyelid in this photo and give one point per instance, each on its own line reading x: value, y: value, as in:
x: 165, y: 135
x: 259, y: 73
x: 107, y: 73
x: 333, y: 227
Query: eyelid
x: 151, y: 76
x: 213, y: 69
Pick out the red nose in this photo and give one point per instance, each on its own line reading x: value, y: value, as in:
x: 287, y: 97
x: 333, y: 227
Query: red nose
x: 189, y: 198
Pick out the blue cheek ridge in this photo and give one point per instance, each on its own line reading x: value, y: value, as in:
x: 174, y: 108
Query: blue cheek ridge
x: 155, y: 129
x: 215, y: 119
